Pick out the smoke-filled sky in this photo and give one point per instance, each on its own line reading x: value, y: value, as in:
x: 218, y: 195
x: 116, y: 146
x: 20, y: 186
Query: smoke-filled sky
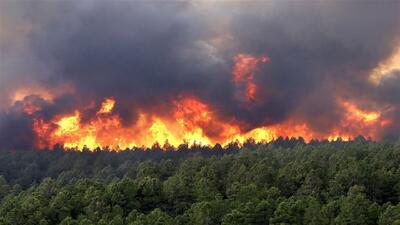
x: 148, y: 54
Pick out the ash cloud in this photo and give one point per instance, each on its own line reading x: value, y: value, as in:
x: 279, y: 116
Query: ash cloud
x: 145, y: 54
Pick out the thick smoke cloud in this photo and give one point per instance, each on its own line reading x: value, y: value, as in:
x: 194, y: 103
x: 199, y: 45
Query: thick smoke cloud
x: 145, y: 54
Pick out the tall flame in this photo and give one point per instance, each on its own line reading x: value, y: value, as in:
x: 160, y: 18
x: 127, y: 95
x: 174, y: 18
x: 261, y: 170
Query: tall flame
x: 191, y: 121
x: 188, y: 120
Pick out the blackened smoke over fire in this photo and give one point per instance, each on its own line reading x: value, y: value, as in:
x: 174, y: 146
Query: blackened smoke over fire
x: 131, y: 73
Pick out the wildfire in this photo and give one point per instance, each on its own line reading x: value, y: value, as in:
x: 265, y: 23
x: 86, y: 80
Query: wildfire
x: 357, y: 121
x: 188, y: 120
x: 355, y: 113
x: 191, y: 121
x: 68, y: 125
x: 243, y: 74
x: 107, y: 106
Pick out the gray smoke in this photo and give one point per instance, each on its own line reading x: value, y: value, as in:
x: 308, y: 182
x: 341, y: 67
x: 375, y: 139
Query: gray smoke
x: 145, y: 54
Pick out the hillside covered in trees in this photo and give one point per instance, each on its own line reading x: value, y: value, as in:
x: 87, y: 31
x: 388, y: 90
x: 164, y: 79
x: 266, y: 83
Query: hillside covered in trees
x: 284, y: 182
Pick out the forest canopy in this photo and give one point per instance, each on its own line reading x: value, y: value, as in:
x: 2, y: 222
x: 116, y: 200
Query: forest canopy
x: 284, y: 182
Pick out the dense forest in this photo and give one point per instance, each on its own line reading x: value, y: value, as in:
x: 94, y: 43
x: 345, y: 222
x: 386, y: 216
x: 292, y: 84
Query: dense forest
x: 283, y: 182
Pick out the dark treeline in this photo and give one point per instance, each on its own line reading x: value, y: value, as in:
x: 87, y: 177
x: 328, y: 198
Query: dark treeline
x: 283, y: 182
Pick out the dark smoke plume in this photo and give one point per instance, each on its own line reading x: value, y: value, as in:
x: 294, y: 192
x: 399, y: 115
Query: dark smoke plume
x: 146, y: 54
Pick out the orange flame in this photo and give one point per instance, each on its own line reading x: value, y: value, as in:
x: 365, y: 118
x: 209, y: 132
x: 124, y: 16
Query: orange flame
x: 243, y: 74
x: 192, y: 121
x: 357, y: 121
x: 107, y: 106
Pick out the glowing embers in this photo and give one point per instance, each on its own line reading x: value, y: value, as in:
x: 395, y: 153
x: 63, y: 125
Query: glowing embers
x: 243, y: 75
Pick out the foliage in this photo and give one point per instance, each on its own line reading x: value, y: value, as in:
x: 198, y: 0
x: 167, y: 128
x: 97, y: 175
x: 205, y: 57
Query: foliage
x: 284, y: 182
